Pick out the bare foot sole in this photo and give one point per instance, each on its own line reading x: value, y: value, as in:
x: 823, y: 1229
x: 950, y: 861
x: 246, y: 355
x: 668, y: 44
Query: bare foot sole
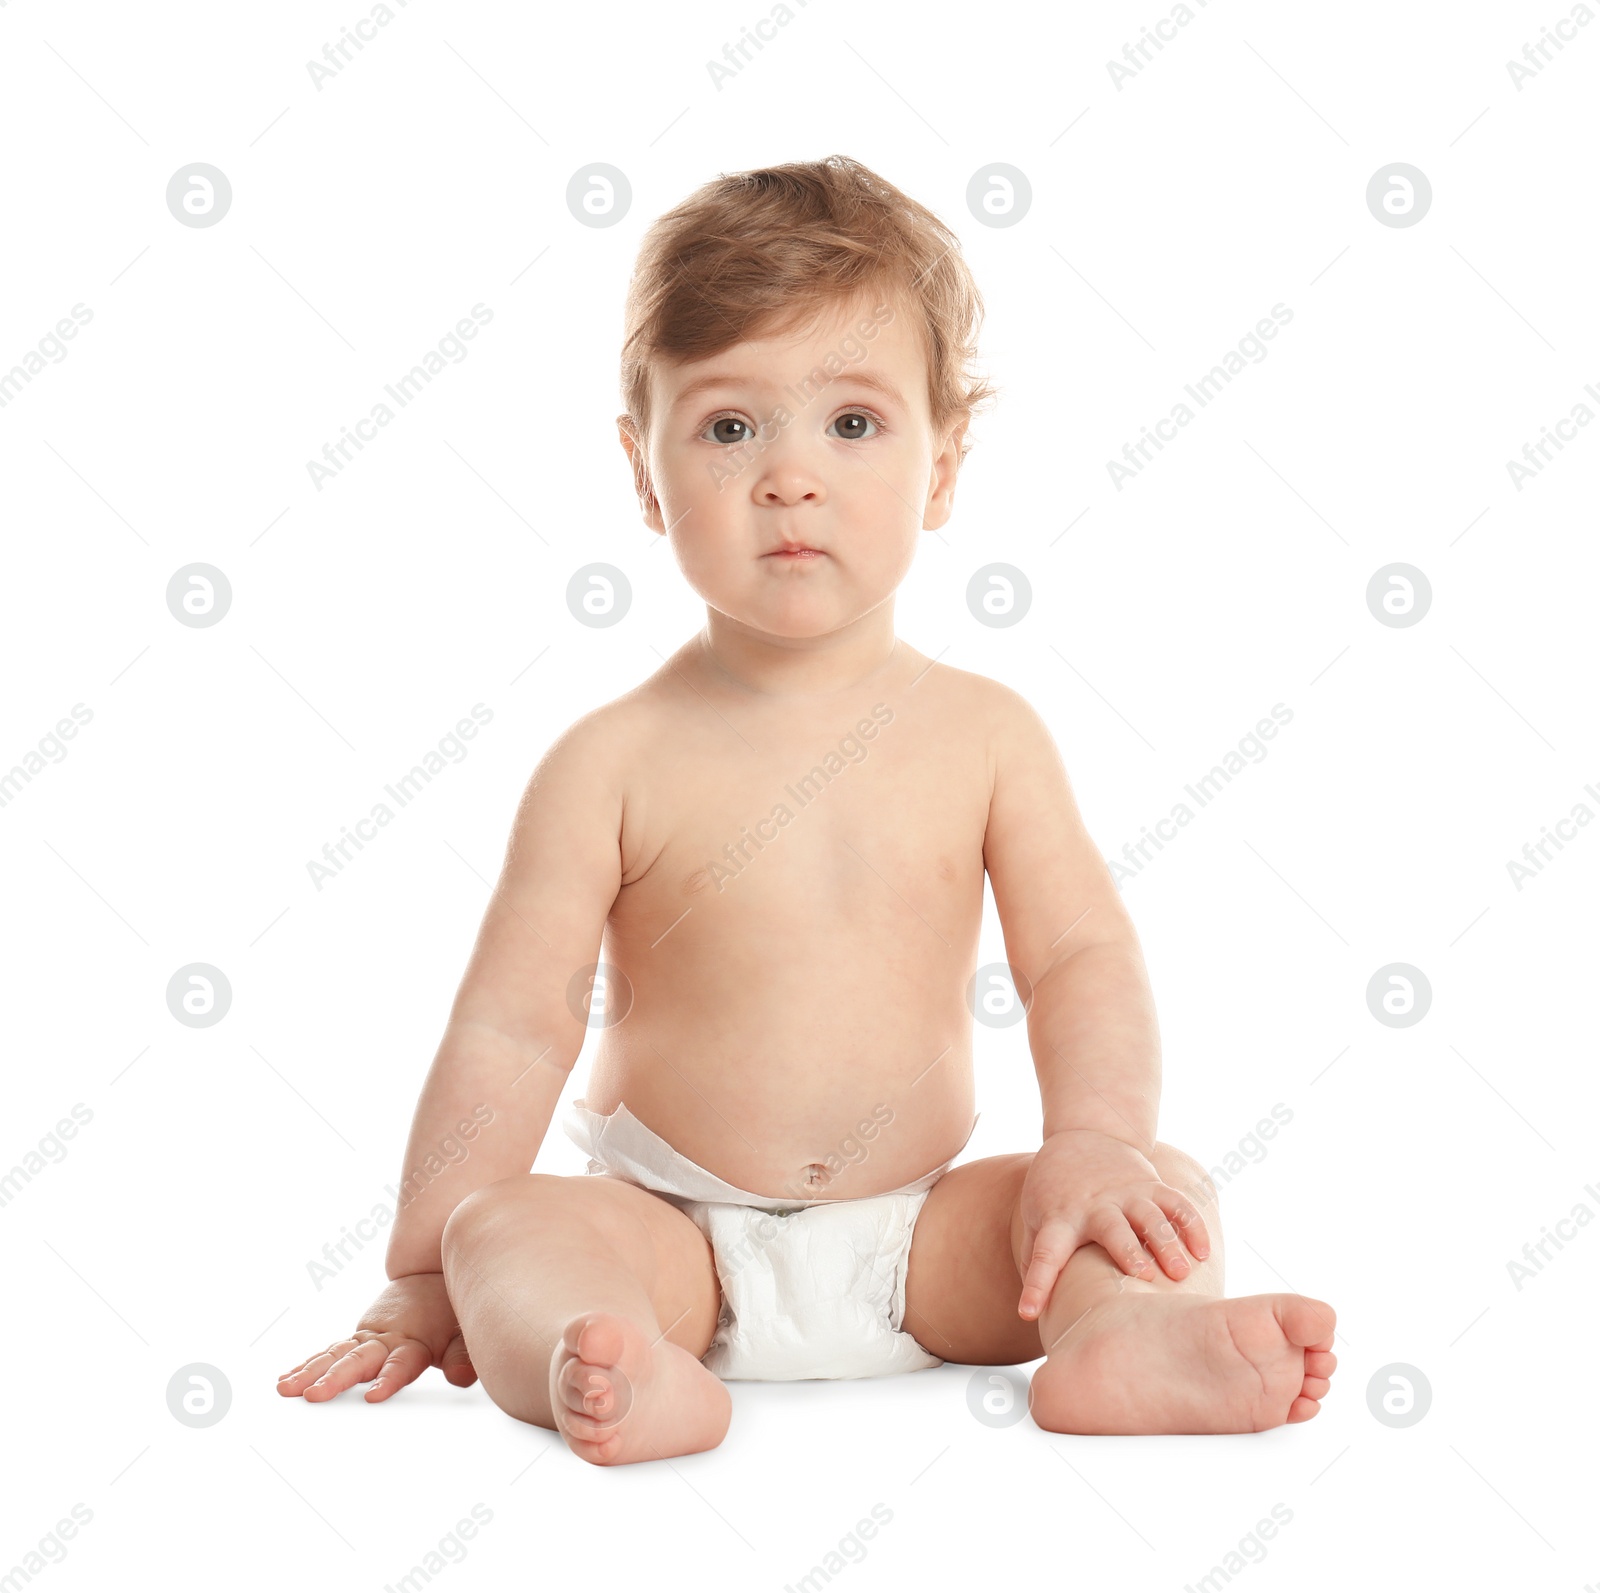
x: 1147, y: 1362
x: 616, y: 1397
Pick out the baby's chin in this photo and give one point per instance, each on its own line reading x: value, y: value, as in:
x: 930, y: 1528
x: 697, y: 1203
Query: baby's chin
x: 794, y: 617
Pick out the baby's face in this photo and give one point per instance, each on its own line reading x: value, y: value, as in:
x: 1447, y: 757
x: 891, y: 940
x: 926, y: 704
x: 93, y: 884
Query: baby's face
x: 793, y: 499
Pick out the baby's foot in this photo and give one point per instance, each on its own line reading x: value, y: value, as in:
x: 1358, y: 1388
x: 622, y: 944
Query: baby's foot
x: 616, y: 1396
x: 1148, y: 1362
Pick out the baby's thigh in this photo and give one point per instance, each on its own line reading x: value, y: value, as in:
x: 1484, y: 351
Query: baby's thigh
x: 962, y: 1283
x: 557, y: 1241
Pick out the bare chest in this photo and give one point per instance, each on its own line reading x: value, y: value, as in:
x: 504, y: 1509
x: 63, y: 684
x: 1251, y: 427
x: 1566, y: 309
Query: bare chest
x: 827, y: 827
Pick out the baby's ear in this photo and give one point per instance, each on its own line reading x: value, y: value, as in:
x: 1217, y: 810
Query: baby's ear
x: 957, y: 440
x: 633, y: 446
x: 946, y: 466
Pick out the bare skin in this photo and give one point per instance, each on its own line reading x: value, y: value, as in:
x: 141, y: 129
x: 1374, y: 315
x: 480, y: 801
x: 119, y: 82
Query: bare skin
x: 778, y: 845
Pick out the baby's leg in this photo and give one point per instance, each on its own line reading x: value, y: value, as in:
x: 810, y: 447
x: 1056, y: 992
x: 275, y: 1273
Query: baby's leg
x: 586, y: 1304
x: 1129, y: 1356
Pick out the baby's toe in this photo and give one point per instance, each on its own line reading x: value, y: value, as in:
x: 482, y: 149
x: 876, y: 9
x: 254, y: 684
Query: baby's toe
x: 585, y: 1390
x: 1306, y: 1322
x: 1302, y: 1409
x: 596, y: 1339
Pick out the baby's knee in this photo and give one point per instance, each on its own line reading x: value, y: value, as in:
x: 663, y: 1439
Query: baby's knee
x: 492, y: 1209
x: 1184, y: 1173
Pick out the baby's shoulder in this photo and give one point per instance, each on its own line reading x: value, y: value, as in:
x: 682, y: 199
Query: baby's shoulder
x: 988, y: 707
x: 609, y: 737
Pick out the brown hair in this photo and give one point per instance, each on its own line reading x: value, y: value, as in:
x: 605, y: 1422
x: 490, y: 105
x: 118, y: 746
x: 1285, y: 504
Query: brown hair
x: 764, y: 252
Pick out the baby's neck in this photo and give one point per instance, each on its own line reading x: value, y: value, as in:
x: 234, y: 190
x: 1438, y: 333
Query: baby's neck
x: 753, y: 662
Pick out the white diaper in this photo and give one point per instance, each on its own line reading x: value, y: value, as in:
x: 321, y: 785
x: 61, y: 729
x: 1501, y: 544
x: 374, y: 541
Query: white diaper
x: 810, y: 1288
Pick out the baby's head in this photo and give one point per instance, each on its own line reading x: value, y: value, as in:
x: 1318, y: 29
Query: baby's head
x: 796, y: 375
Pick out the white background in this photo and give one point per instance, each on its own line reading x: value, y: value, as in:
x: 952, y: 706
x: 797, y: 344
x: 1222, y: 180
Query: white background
x: 1168, y: 216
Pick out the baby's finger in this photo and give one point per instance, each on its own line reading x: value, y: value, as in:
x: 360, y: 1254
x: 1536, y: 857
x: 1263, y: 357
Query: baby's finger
x: 1161, y: 1238
x: 359, y: 1365
x: 1187, y: 1220
x: 1051, y: 1250
x: 308, y: 1371
x: 406, y: 1362
x: 457, y: 1364
x: 1113, y: 1233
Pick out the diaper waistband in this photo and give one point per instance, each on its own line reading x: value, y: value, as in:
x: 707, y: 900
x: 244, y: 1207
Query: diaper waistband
x: 619, y: 1143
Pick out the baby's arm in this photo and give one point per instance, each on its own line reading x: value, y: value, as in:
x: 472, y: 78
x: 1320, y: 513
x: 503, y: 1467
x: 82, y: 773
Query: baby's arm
x: 509, y: 1044
x: 1091, y: 1022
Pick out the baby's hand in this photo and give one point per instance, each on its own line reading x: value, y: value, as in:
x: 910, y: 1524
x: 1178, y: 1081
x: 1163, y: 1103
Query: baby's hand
x: 408, y: 1328
x: 1086, y: 1187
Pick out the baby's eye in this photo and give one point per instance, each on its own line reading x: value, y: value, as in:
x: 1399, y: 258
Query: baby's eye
x: 742, y: 432
x: 852, y: 421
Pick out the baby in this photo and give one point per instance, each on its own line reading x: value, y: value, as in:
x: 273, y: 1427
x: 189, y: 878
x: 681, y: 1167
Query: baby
x: 781, y: 838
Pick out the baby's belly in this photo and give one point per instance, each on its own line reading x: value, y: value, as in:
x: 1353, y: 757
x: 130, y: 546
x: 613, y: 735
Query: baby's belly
x: 804, y: 1079
x: 803, y: 1027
